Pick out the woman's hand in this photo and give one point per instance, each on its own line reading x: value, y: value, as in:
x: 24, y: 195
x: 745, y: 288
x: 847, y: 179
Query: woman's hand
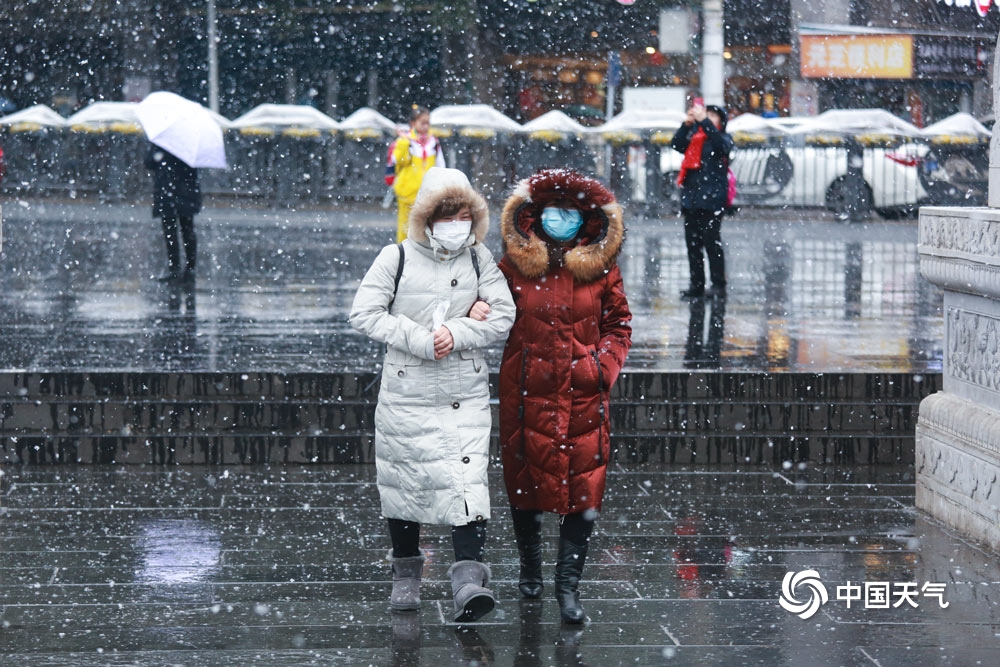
x: 444, y: 343
x: 699, y: 113
x: 480, y: 311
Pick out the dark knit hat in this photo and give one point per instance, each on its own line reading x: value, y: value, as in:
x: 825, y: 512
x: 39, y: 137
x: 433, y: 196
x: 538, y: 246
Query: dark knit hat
x: 721, y: 111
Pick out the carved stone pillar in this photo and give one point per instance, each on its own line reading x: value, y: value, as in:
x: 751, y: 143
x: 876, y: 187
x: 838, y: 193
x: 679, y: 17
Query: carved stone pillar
x: 958, y: 430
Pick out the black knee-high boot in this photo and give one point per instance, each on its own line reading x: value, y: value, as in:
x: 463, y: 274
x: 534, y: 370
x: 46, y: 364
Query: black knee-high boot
x: 569, y: 569
x: 528, y: 535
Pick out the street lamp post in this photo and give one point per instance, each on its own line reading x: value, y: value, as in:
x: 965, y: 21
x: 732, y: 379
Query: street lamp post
x: 712, y: 73
x: 213, y: 60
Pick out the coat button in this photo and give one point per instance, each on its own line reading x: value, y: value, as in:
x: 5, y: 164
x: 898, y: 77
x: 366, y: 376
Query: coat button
x: 465, y: 459
x: 454, y: 281
x: 479, y: 517
x: 455, y: 405
x: 401, y: 373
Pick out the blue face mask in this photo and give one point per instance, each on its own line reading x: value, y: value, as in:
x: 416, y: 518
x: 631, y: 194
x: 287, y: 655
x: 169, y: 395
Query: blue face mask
x: 561, y: 224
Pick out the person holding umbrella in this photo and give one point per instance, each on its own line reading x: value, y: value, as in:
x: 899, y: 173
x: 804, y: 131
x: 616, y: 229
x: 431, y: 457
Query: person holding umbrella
x: 176, y: 200
x: 185, y: 137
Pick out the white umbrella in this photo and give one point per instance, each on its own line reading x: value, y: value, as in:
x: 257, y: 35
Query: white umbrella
x: 219, y: 119
x: 858, y: 121
x: 754, y: 124
x: 554, y: 121
x: 959, y: 124
x: 37, y: 115
x: 367, y: 118
x: 103, y: 113
x: 645, y: 119
x: 285, y: 115
x: 480, y: 116
x: 185, y: 128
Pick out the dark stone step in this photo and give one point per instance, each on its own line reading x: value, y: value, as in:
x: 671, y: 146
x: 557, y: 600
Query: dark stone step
x: 781, y: 450
x: 632, y: 385
x: 164, y: 385
x: 272, y: 417
x: 293, y: 418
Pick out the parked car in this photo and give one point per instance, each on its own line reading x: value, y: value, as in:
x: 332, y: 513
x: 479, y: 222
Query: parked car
x: 811, y: 174
x: 794, y: 173
x: 955, y: 175
x: 954, y: 163
x: 809, y: 166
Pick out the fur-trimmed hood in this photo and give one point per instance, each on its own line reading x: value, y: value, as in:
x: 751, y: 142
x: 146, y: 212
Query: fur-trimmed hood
x: 598, y: 242
x: 438, y: 185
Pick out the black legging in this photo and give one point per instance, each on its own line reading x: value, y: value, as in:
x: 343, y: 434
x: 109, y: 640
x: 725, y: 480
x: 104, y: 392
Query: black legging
x: 186, y: 224
x: 702, y: 230
x: 468, y: 540
x: 572, y: 527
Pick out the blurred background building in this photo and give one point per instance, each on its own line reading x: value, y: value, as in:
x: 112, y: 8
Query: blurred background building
x: 920, y: 59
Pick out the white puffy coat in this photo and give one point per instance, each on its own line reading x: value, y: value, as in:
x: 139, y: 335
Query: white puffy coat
x: 433, y: 419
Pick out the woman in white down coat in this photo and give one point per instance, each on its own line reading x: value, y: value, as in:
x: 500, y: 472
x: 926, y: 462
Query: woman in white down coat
x: 433, y: 419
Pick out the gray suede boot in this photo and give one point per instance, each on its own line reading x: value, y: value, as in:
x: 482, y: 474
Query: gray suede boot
x: 406, y: 582
x: 468, y: 584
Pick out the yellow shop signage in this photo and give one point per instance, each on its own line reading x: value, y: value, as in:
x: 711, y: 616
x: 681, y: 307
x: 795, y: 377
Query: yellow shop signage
x: 857, y: 56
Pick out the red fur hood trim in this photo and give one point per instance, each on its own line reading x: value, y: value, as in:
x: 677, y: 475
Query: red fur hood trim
x: 598, y: 243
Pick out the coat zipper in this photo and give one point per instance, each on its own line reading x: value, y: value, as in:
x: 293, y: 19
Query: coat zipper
x: 524, y: 390
x: 600, y: 409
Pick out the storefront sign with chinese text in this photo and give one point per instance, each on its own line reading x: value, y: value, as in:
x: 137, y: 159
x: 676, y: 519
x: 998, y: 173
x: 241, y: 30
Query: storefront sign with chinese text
x: 857, y: 56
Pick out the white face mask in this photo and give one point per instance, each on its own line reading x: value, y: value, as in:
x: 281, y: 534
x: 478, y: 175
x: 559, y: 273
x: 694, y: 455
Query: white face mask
x: 452, y: 234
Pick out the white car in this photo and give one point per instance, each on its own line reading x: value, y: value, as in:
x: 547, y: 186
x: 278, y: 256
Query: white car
x: 801, y: 171
x: 955, y: 175
x: 804, y: 173
x: 804, y: 161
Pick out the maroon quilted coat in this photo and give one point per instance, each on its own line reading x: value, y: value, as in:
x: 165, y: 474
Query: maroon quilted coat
x: 570, y: 338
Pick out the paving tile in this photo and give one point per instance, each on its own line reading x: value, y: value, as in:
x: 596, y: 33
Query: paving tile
x: 285, y: 564
x: 133, y: 565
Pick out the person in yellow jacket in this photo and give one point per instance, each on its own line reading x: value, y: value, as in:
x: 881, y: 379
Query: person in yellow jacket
x: 412, y: 154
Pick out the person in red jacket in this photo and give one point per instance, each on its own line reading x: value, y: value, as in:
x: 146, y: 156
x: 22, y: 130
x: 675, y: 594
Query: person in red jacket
x: 562, y: 233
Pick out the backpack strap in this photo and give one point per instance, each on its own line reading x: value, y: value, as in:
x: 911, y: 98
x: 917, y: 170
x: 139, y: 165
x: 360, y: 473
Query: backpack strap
x: 399, y: 273
x: 475, y: 261
x: 402, y: 261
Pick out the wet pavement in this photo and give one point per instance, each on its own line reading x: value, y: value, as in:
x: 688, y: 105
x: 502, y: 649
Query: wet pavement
x: 285, y: 565
x: 139, y: 565
x: 274, y: 287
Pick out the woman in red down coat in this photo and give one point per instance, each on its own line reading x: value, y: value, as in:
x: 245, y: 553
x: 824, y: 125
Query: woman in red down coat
x: 562, y: 233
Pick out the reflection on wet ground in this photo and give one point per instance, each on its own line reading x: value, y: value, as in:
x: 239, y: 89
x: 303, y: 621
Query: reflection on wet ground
x: 286, y: 566
x: 274, y: 288
x: 223, y: 564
